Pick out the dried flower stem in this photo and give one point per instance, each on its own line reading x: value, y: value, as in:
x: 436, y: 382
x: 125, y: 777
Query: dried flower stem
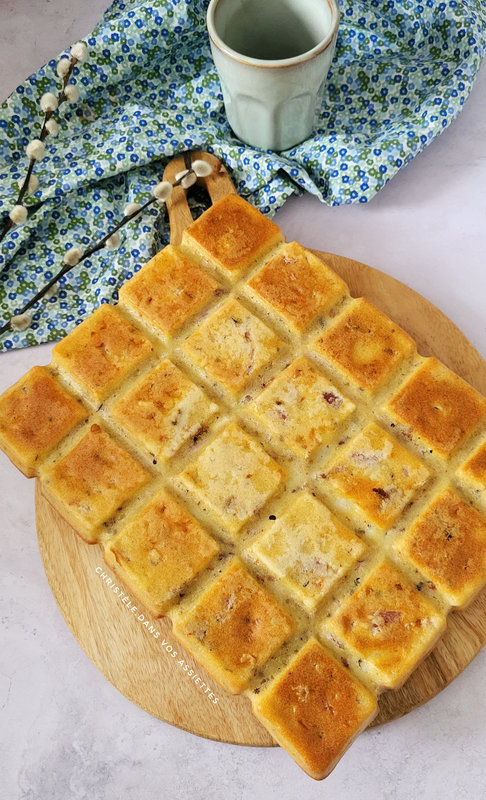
x: 7, y: 222
x: 87, y: 253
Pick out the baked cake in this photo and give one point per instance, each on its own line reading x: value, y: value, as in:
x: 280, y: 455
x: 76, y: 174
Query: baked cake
x: 315, y: 708
x: 270, y: 463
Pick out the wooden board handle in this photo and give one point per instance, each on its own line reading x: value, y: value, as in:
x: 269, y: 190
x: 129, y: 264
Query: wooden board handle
x: 218, y: 184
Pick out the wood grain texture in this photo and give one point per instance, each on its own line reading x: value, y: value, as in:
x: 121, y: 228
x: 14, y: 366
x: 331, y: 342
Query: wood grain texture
x: 137, y: 664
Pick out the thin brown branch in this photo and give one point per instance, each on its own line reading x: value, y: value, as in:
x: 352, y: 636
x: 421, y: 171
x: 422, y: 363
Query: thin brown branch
x: 7, y: 223
x: 87, y: 253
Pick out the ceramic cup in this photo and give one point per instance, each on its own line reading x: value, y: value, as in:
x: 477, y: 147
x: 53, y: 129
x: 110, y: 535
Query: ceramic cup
x: 272, y: 57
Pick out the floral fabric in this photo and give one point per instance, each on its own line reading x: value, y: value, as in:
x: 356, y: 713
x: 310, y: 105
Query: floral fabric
x: 402, y: 72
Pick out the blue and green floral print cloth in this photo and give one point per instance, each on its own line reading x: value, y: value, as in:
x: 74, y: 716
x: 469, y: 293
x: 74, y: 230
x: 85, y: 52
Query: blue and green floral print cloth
x: 402, y: 72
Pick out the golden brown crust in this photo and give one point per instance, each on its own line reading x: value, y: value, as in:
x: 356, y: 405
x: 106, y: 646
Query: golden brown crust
x: 36, y: 413
x: 101, y: 351
x: 234, y: 628
x: 232, y: 234
x: 232, y: 345
x: 475, y: 467
x: 377, y: 474
x: 389, y: 624
x: 159, y: 551
x: 168, y: 290
x: 472, y: 474
x: 365, y: 345
x: 438, y: 407
x: 447, y: 543
x: 164, y: 410
x: 315, y: 709
x: 90, y: 482
x: 298, y: 285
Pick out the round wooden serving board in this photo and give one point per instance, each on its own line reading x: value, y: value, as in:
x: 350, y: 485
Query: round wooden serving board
x: 140, y: 656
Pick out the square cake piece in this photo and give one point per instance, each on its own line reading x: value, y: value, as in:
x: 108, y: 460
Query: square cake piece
x: 159, y: 551
x: 302, y: 408
x: 232, y: 345
x: 234, y: 628
x: 102, y: 351
x: 231, y: 236
x: 297, y: 285
x: 388, y: 624
x: 472, y: 474
x: 92, y: 481
x: 374, y: 476
x: 364, y: 346
x: 308, y: 548
x: 315, y: 709
x: 437, y: 408
x: 164, y: 410
x: 233, y: 476
x: 168, y: 291
x: 36, y: 413
x: 447, y: 544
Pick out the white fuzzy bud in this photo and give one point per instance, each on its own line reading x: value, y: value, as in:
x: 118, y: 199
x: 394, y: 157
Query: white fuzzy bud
x: 51, y: 292
x: 48, y: 102
x: 20, y: 322
x: 187, y: 178
x: 201, y: 168
x: 131, y: 208
x: 52, y: 127
x: 71, y: 93
x: 35, y: 149
x: 112, y: 242
x: 18, y: 215
x: 63, y: 67
x: 33, y: 183
x: 72, y: 256
x: 79, y: 51
x: 162, y: 191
